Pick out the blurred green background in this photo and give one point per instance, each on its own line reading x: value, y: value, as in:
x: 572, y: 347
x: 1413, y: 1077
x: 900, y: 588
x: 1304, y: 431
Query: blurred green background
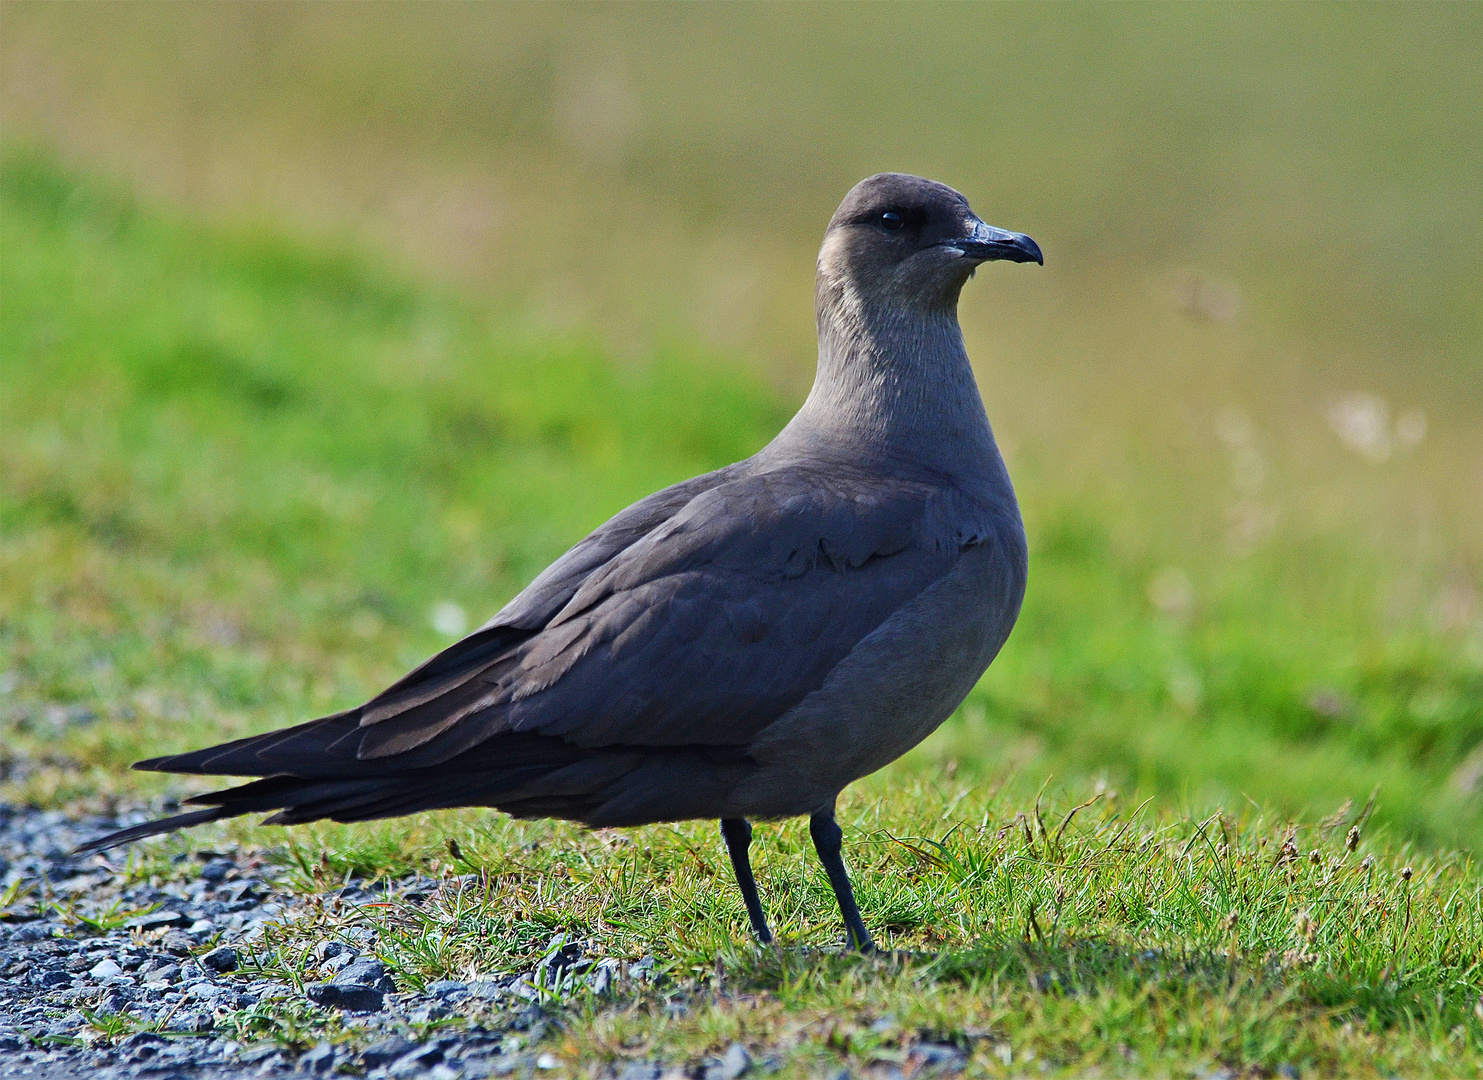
x: 324, y: 327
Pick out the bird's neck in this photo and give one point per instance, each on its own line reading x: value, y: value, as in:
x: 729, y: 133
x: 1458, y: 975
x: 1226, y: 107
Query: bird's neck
x: 898, y: 385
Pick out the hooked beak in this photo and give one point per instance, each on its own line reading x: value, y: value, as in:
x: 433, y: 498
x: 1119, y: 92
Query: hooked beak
x: 986, y: 243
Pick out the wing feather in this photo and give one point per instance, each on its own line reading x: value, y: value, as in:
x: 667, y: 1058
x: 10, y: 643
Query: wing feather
x: 712, y: 624
x: 695, y: 618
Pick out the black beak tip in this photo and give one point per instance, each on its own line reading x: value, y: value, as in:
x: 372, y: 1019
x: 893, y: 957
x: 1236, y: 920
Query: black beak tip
x: 1027, y: 250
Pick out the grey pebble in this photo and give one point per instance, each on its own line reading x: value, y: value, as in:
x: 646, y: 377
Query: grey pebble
x: 257, y: 1054
x: 330, y: 949
x: 217, y: 869
x: 416, y: 1062
x: 729, y: 1065
x: 940, y: 1056
x: 385, y: 1051
x: 349, y: 997
x: 319, y: 1060
x: 367, y: 972
x: 157, y: 919
x: 641, y: 1070
x: 221, y: 959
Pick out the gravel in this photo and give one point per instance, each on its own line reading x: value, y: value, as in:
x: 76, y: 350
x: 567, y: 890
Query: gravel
x: 177, y: 969
x: 170, y: 980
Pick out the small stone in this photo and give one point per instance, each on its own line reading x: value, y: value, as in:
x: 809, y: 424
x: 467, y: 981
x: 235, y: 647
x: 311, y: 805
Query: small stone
x: 642, y: 970
x: 143, y: 1040
x: 268, y: 1066
x: 428, y: 1014
x: 939, y: 1056
x: 221, y: 959
x: 530, y: 1018
x: 329, y: 949
x: 177, y: 943
x: 162, y: 977
x: 206, y: 991
x: 366, y: 972
x: 445, y: 988
x: 335, y: 964
x: 319, y: 1060
x: 351, y: 998
x: 105, y: 968
x: 604, y: 975
x: 547, y: 1061
x: 385, y: 1051
x: 641, y: 1070
x: 257, y: 1054
x: 416, y: 1062
x: 216, y: 870
x: 729, y: 1065
x: 67, y: 1025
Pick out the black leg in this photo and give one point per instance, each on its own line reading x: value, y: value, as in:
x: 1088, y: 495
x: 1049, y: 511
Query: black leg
x: 828, y: 839
x: 737, y: 832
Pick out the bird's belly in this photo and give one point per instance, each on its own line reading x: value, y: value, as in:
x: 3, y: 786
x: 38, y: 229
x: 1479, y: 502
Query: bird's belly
x: 892, y: 690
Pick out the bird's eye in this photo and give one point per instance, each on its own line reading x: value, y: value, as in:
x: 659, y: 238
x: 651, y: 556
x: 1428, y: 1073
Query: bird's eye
x: 891, y: 221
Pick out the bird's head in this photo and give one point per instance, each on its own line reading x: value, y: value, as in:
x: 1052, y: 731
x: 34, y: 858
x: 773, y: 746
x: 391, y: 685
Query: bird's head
x: 902, y: 241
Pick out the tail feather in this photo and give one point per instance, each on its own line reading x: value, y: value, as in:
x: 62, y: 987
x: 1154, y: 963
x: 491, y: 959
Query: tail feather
x: 504, y: 772
x: 153, y: 828
x: 318, y: 748
x: 277, y: 792
x: 372, y: 807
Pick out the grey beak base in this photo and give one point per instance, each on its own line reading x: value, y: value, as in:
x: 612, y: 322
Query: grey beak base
x: 986, y: 244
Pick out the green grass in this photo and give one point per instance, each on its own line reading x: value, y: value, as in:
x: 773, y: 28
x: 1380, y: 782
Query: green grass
x: 1116, y: 938
x: 238, y: 471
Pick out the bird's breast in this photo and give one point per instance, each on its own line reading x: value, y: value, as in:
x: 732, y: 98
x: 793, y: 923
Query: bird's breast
x: 897, y: 686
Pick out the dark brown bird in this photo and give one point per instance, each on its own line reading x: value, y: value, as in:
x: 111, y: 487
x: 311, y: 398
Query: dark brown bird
x: 740, y: 645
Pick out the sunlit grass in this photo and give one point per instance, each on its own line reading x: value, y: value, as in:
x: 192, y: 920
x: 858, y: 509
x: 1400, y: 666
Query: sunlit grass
x: 1103, y: 934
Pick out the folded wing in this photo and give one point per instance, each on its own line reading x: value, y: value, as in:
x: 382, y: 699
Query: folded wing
x: 684, y: 626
